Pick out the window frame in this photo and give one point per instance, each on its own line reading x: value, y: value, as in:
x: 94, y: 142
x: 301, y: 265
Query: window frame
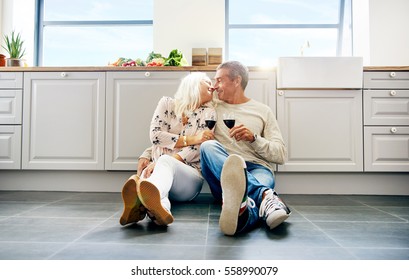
x: 339, y: 26
x: 40, y: 24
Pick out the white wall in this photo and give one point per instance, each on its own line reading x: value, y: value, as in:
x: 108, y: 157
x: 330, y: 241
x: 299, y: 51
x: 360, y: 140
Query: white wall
x: 18, y: 15
x: 388, y: 29
x: 379, y: 28
x: 360, y: 34
x: 193, y: 24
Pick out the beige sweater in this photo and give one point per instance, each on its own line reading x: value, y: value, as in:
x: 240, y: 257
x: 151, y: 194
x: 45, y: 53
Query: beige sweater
x: 269, y: 148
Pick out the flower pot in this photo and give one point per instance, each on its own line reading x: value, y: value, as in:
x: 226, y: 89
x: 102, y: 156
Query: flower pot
x: 2, y: 60
x: 10, y: 62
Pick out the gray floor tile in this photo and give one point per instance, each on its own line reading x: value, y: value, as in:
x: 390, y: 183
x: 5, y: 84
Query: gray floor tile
x: 28, y: 250
x: 380, y: 253
x: 111, y: 251
x: 85, y: 226
x: 345, y: 214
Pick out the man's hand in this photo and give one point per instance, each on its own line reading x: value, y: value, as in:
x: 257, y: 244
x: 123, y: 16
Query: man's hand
x: 242, y: 133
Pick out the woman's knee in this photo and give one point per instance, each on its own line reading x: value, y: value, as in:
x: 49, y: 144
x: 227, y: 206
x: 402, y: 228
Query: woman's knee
x: 166, y: 160
x: 186, y: 193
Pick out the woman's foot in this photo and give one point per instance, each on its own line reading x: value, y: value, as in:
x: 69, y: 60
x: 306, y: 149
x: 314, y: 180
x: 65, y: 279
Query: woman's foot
x: 150, y: 197
x: 134, y: 211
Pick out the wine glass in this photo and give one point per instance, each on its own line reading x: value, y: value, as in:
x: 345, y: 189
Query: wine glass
x: 210, y: 119
x: 229, y: 120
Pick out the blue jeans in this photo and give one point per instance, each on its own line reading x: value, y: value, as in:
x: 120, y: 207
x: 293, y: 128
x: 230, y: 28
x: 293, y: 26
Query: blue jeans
x: 259, y: 178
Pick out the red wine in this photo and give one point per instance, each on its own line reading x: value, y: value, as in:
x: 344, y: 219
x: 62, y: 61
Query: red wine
x: 229, y: 123
x: 210, y: 123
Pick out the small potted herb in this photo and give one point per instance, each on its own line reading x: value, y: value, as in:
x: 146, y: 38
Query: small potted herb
x: 14, y: 47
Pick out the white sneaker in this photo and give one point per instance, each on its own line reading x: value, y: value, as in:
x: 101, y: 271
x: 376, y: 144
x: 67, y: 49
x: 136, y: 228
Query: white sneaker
x: 273, y: 209
x: 234, y: 191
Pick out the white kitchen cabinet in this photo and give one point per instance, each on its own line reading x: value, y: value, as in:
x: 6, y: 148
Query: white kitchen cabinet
x: 11, y: 90
x: 387, y: 148
x: 64, y: 120
x: 262, y: 87
x: 322, y: 129
x: 386, y: 118
x: 10, y: 146
x: 11, y: 103
x: 131, y: 100
x: 11, y: 80
x: 386, y: 107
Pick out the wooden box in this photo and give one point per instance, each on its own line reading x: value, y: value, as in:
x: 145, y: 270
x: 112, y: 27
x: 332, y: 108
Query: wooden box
x: 214, y: 56
x: 199, y: 57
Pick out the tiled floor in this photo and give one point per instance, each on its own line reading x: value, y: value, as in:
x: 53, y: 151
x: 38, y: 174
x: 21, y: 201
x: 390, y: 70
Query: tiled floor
x: 77, y: 226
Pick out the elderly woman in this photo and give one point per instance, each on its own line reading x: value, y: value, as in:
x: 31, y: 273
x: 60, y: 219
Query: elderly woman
x: 176, y: 132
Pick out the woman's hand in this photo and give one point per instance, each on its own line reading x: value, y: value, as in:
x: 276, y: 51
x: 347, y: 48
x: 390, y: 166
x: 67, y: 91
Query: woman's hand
x: 142, y: 164
x: 149, y: 170
x: 205, y: 135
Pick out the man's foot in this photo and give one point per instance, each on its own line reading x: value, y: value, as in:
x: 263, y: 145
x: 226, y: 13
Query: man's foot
x: 273, y: 209
x: 234, y: 188
x: 150, y: 197
x: 134, y: 211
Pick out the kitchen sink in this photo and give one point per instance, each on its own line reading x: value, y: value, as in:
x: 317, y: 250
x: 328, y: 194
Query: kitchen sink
x: 319, y: 72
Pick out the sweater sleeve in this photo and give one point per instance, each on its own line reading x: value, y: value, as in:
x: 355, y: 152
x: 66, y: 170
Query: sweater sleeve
x: 270, y: 144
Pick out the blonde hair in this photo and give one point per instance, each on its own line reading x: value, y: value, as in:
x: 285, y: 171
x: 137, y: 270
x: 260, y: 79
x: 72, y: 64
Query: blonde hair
x: 187, y: 97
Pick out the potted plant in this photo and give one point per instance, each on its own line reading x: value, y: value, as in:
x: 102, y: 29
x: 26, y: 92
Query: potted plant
x: 14, y: 47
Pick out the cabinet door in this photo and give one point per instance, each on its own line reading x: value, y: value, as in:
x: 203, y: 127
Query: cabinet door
x: 322, y: 129
x: 10, y: 146
x: 131, y: 100
x: 386, y: 80
x: 387, y: 149
x: 386, y: 107
x: 261, y: 87
x: 64, y: 120
x: 11, y: 102
x: 11, y: 80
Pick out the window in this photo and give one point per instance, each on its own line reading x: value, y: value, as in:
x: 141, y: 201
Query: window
x: 260, y: 31
x: 93, y: 32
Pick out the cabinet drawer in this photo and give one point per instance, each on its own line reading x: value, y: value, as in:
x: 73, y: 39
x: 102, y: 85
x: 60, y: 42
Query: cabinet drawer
x: 386, y: 149
x: 386, y: 107
x: 11, y: 80
x: 10, y: 106
x: 10, y: 146
x: 386, y: 80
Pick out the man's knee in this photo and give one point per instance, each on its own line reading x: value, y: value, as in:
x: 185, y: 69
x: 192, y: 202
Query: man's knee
x: 208, y: 146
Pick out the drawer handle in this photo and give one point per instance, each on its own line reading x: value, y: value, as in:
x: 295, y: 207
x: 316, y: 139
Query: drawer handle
x: 280, y: 92
x: 147, y: 74
x: 394, y: 130
x: 63, y: 74
x: 393, y: 92
x: 392, y: 74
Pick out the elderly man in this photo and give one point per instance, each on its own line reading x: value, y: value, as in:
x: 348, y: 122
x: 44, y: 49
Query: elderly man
x: 240, y: 172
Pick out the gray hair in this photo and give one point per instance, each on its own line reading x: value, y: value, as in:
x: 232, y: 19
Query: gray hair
x: 236, y: 69
x: 187, y: 96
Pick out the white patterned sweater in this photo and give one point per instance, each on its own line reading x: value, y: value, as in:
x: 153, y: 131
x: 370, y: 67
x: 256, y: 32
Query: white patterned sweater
x: 166, y: 128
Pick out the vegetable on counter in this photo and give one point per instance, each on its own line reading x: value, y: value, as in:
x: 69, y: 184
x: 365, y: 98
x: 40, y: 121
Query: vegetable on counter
x: 152, y: 56
x: 175, y: 58
x: 159, y: 61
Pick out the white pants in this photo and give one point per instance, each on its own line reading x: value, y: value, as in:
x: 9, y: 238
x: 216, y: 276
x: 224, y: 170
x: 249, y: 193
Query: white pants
x: 175, y: 180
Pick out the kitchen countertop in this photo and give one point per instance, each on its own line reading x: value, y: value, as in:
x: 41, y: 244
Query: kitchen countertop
x: 386, y: 68
x: 163, y: 68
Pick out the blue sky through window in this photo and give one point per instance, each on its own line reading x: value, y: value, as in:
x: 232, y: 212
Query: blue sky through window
x: 69, y: 39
